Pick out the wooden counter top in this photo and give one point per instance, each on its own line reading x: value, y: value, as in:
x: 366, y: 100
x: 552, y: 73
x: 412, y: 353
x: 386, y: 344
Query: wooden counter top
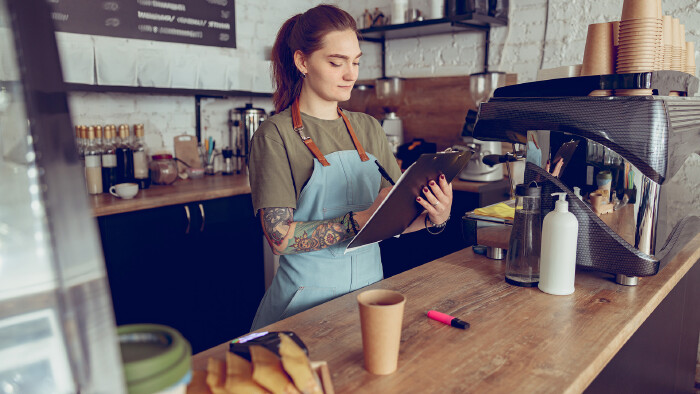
x: 207, y: 188
x: 520, y: 340
x: 180, y: 192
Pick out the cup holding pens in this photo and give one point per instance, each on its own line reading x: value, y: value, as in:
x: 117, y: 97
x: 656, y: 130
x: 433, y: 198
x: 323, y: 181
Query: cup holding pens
x: 208, y: 160
x: 381, y: 318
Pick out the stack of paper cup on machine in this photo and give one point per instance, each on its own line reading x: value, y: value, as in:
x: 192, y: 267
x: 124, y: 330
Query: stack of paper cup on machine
x: 666, y: 42
x: 690, y: 64
x: 639, y: 41
x: 676, y: 51
x: 684, y: 53
x: 599, y: 55
x: 678, y: 46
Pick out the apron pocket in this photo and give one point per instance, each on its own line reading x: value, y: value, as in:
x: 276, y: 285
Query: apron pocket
x: 367, y: 263
x: 306, y: 298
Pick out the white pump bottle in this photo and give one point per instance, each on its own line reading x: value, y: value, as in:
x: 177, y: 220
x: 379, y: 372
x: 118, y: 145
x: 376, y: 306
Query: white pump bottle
x: 558, y: 252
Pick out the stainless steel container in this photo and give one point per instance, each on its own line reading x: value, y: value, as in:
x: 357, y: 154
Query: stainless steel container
x: 243, y: 122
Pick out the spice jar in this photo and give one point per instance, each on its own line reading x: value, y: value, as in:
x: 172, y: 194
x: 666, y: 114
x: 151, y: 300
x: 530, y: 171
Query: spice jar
x: 163, y: 169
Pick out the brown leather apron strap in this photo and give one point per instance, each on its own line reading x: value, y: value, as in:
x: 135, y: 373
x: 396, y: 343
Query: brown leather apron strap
x: 299, y: 128
x: 353, y: 136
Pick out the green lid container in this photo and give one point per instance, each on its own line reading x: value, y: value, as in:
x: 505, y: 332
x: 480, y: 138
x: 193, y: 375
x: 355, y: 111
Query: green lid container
x: 155, y: 357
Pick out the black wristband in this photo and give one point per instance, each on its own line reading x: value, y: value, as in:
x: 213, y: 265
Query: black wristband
x: 353, y: 223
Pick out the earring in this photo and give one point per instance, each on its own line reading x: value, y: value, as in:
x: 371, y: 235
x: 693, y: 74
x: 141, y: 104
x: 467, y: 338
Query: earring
x: 303, y: 75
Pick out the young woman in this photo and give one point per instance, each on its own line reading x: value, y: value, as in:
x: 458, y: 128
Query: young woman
x: 312, y: 172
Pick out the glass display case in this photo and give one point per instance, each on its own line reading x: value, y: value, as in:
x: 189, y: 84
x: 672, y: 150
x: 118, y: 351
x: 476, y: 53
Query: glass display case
x: 57, y: 330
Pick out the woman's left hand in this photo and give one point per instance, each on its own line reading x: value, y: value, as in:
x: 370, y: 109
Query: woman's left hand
x: 437, y: 200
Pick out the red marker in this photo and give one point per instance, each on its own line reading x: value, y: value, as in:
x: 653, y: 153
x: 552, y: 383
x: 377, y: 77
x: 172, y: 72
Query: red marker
x: 447, y: 319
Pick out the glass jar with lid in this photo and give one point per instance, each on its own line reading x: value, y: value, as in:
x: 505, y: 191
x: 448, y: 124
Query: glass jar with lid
x: 163, y: 169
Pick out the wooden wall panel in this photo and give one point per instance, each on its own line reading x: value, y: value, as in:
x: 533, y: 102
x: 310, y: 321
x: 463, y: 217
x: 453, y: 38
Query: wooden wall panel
x: 432, y: 108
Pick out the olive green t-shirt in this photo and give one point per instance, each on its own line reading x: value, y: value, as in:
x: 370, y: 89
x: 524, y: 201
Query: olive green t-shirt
x: 280, y: 163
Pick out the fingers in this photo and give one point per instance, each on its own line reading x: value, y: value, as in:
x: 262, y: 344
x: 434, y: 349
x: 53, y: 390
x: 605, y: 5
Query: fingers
x: 430, y: 197
x: 557, y: 168
x: 445, y: 186
x: 429, y: 208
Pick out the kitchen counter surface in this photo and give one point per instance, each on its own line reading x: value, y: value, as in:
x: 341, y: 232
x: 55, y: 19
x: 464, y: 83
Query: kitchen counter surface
x: 180, y: 192
x: 207, y: 188
x: 520, y: 340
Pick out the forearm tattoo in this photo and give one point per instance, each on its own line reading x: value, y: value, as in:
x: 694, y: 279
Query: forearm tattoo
x: 276, y: 222
x: 305, y: 236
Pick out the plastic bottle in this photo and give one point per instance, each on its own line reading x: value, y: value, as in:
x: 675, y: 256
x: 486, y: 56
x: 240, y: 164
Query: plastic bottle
x: 558, y: 251
x: 523, y: 258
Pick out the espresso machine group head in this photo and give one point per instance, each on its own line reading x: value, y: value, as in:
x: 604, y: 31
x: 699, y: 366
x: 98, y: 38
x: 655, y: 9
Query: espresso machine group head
x: 641, y: 141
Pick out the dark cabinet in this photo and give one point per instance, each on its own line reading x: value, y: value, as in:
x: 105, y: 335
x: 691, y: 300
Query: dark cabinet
x: 197, y: 267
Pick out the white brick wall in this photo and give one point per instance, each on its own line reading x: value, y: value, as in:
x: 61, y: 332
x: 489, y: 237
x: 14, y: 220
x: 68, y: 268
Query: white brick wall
x: 164, y: 117
x: 516, y: 48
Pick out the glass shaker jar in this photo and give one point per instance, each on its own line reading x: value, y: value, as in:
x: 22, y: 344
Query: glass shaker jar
x: 523, y: 258
x: 163, y: 169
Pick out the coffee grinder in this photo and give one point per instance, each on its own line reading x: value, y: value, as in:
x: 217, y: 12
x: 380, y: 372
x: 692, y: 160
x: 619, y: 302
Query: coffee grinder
x: 481, y: 88
x: 390, y: 93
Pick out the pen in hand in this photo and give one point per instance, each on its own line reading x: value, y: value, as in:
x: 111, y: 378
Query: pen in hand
x: 384, y: 173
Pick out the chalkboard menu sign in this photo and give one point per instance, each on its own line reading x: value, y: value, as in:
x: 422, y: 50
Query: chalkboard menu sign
x: 202, y: 22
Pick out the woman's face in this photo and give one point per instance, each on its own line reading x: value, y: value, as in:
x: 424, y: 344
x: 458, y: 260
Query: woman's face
x: 332, y: 70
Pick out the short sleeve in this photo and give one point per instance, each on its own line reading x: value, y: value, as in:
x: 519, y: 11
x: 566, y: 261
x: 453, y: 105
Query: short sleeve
x: 270, y: 174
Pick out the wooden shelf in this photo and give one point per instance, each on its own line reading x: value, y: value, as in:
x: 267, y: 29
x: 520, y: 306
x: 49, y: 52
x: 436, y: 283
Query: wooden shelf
x: 79, y: 87
x: 428, y: 27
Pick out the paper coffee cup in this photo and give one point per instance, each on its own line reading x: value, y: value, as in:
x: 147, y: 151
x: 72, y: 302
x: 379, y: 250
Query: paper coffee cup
x: 597, y: 201
x: 381, y: 318
x: 599, y: 55
x: 640, y: 9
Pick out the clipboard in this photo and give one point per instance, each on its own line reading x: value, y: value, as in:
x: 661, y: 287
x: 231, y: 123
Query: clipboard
x: 565, y: 152
x: 400, y: 208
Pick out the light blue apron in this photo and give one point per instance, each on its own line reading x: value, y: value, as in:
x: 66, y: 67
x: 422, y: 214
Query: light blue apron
x: 308, y: 279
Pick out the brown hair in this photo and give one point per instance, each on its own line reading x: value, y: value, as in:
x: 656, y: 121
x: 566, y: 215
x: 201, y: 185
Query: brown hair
x: 303, y: 32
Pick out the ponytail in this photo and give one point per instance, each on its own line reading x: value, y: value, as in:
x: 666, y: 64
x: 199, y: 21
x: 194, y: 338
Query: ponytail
x: 284, y: 71
x: 302, y: 32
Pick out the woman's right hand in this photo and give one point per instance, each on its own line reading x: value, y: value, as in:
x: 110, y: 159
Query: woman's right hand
x: 362, y: 217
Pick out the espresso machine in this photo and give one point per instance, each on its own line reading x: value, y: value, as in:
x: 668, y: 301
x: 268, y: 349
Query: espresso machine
x: 638, y: 142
